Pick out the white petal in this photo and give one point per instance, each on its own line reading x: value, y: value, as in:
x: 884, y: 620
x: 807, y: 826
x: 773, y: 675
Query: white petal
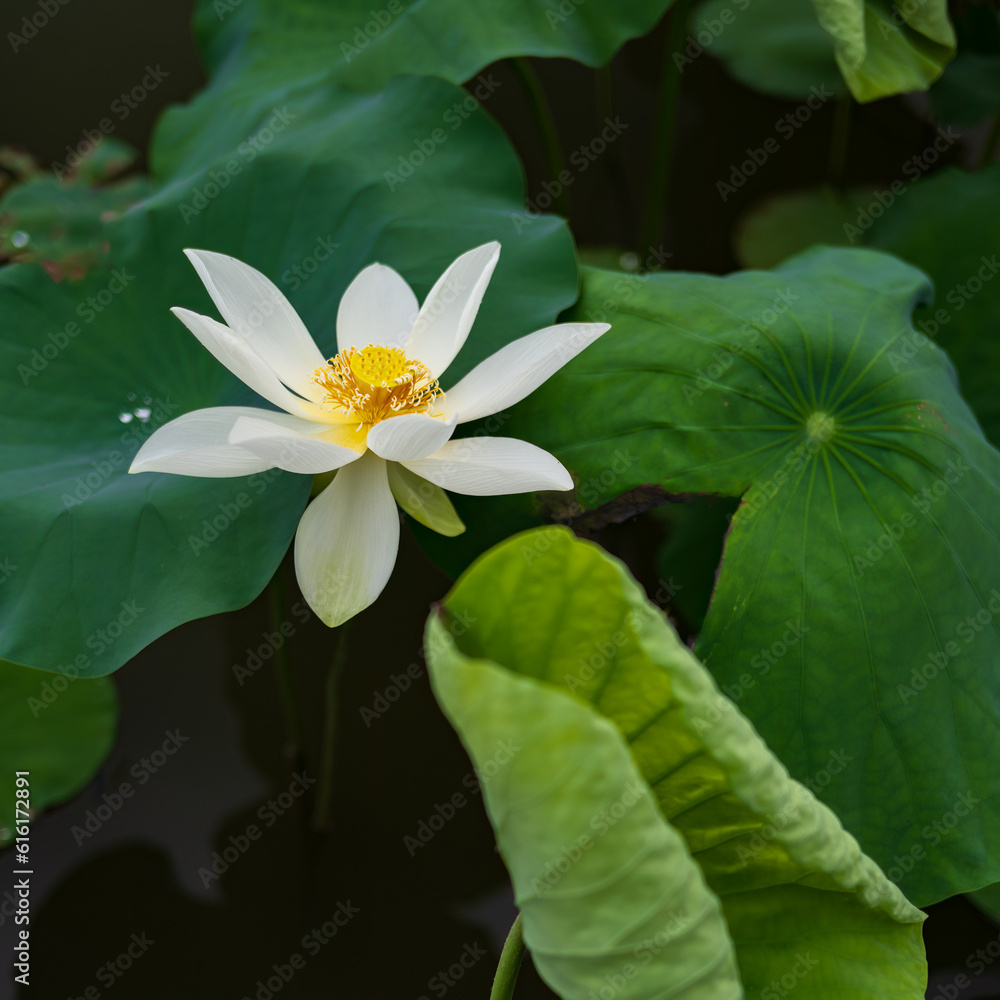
x: 346, y: 544
x: 197, y: 444
x: 237, y: 355
x: 295, y: 449
x: 379, y: 307
x: 257, y: 310
x: 411, y: 436
x: 518, y: 369
x: 424, y: 502
x: 491, y: 466
x: 450, y: 309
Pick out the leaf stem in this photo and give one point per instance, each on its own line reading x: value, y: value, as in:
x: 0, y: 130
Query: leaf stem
x: 663, y: 141
x: 277, y: 603
x: 546, y: 124
x: 510, y: 963
x: 604, y: 104
x: 324, y: 794
x: 837, y: 166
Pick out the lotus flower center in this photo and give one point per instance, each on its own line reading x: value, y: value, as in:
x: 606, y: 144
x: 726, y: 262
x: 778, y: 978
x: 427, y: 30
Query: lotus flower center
x: 382, y: 366
x: 376, y: 382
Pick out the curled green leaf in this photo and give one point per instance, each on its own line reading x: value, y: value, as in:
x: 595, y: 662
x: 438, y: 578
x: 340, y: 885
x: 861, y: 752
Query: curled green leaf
x: 800, y: 898
x: 608, y: 891
x: 883, y: 48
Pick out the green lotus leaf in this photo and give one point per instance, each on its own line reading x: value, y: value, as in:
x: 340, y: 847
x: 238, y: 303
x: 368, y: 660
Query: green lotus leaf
x: 60, y: 222
x: 777, y: 227
x: 856, y: 602
x: 788, y: 48
x: 944, y: 225
x: 806, y: 909
x: 366, y: 46
x: 56, y: 729
x: 969, y: 91
x: 883, y: 48
x: 987, y: 899
x: 551, y: 768
x: 773, y: 46
x: 254, y: 47
x: 108, y: 561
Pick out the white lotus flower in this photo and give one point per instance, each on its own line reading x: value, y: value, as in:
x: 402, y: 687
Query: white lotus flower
x: 375, y: 413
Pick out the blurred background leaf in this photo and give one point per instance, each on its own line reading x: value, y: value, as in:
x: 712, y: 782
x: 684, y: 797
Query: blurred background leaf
x: 58, y: 729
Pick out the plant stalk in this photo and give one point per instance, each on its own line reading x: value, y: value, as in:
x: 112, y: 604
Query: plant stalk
x: 509, y: 964
x: 324, y: 794
x: 277, y: 604
x: 604, y: 103
x: 837, y: 168
x: 546, y: 123
x: 663, y: 141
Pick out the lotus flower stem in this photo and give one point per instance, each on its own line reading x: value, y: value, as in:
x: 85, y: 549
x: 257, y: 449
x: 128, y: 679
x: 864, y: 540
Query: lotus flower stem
x: 324, y: 794
x: 277, y: 608
x: 666, y: 127
x: 546, y: 123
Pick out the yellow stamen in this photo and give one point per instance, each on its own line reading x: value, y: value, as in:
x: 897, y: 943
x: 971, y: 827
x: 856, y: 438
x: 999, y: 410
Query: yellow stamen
x: 375, y: 383
x: 381, y: 366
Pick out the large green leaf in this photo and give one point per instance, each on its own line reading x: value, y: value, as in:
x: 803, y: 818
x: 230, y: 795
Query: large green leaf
x: 987, y: 899
x: 774, y: 46
x: 789, y: 48
x: 865, y: 544
x: 800, y: 898
x: 946, y: 226
x: 56, y: 729
x: 58, y: 219
x: 883, y: 48
x: 109, y: 561
x: 943, y: 226
x: 969, y: 90
x: 268, y: 43
x: 776, y: 227
x: 603, y: 906
x: 366, y: 44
